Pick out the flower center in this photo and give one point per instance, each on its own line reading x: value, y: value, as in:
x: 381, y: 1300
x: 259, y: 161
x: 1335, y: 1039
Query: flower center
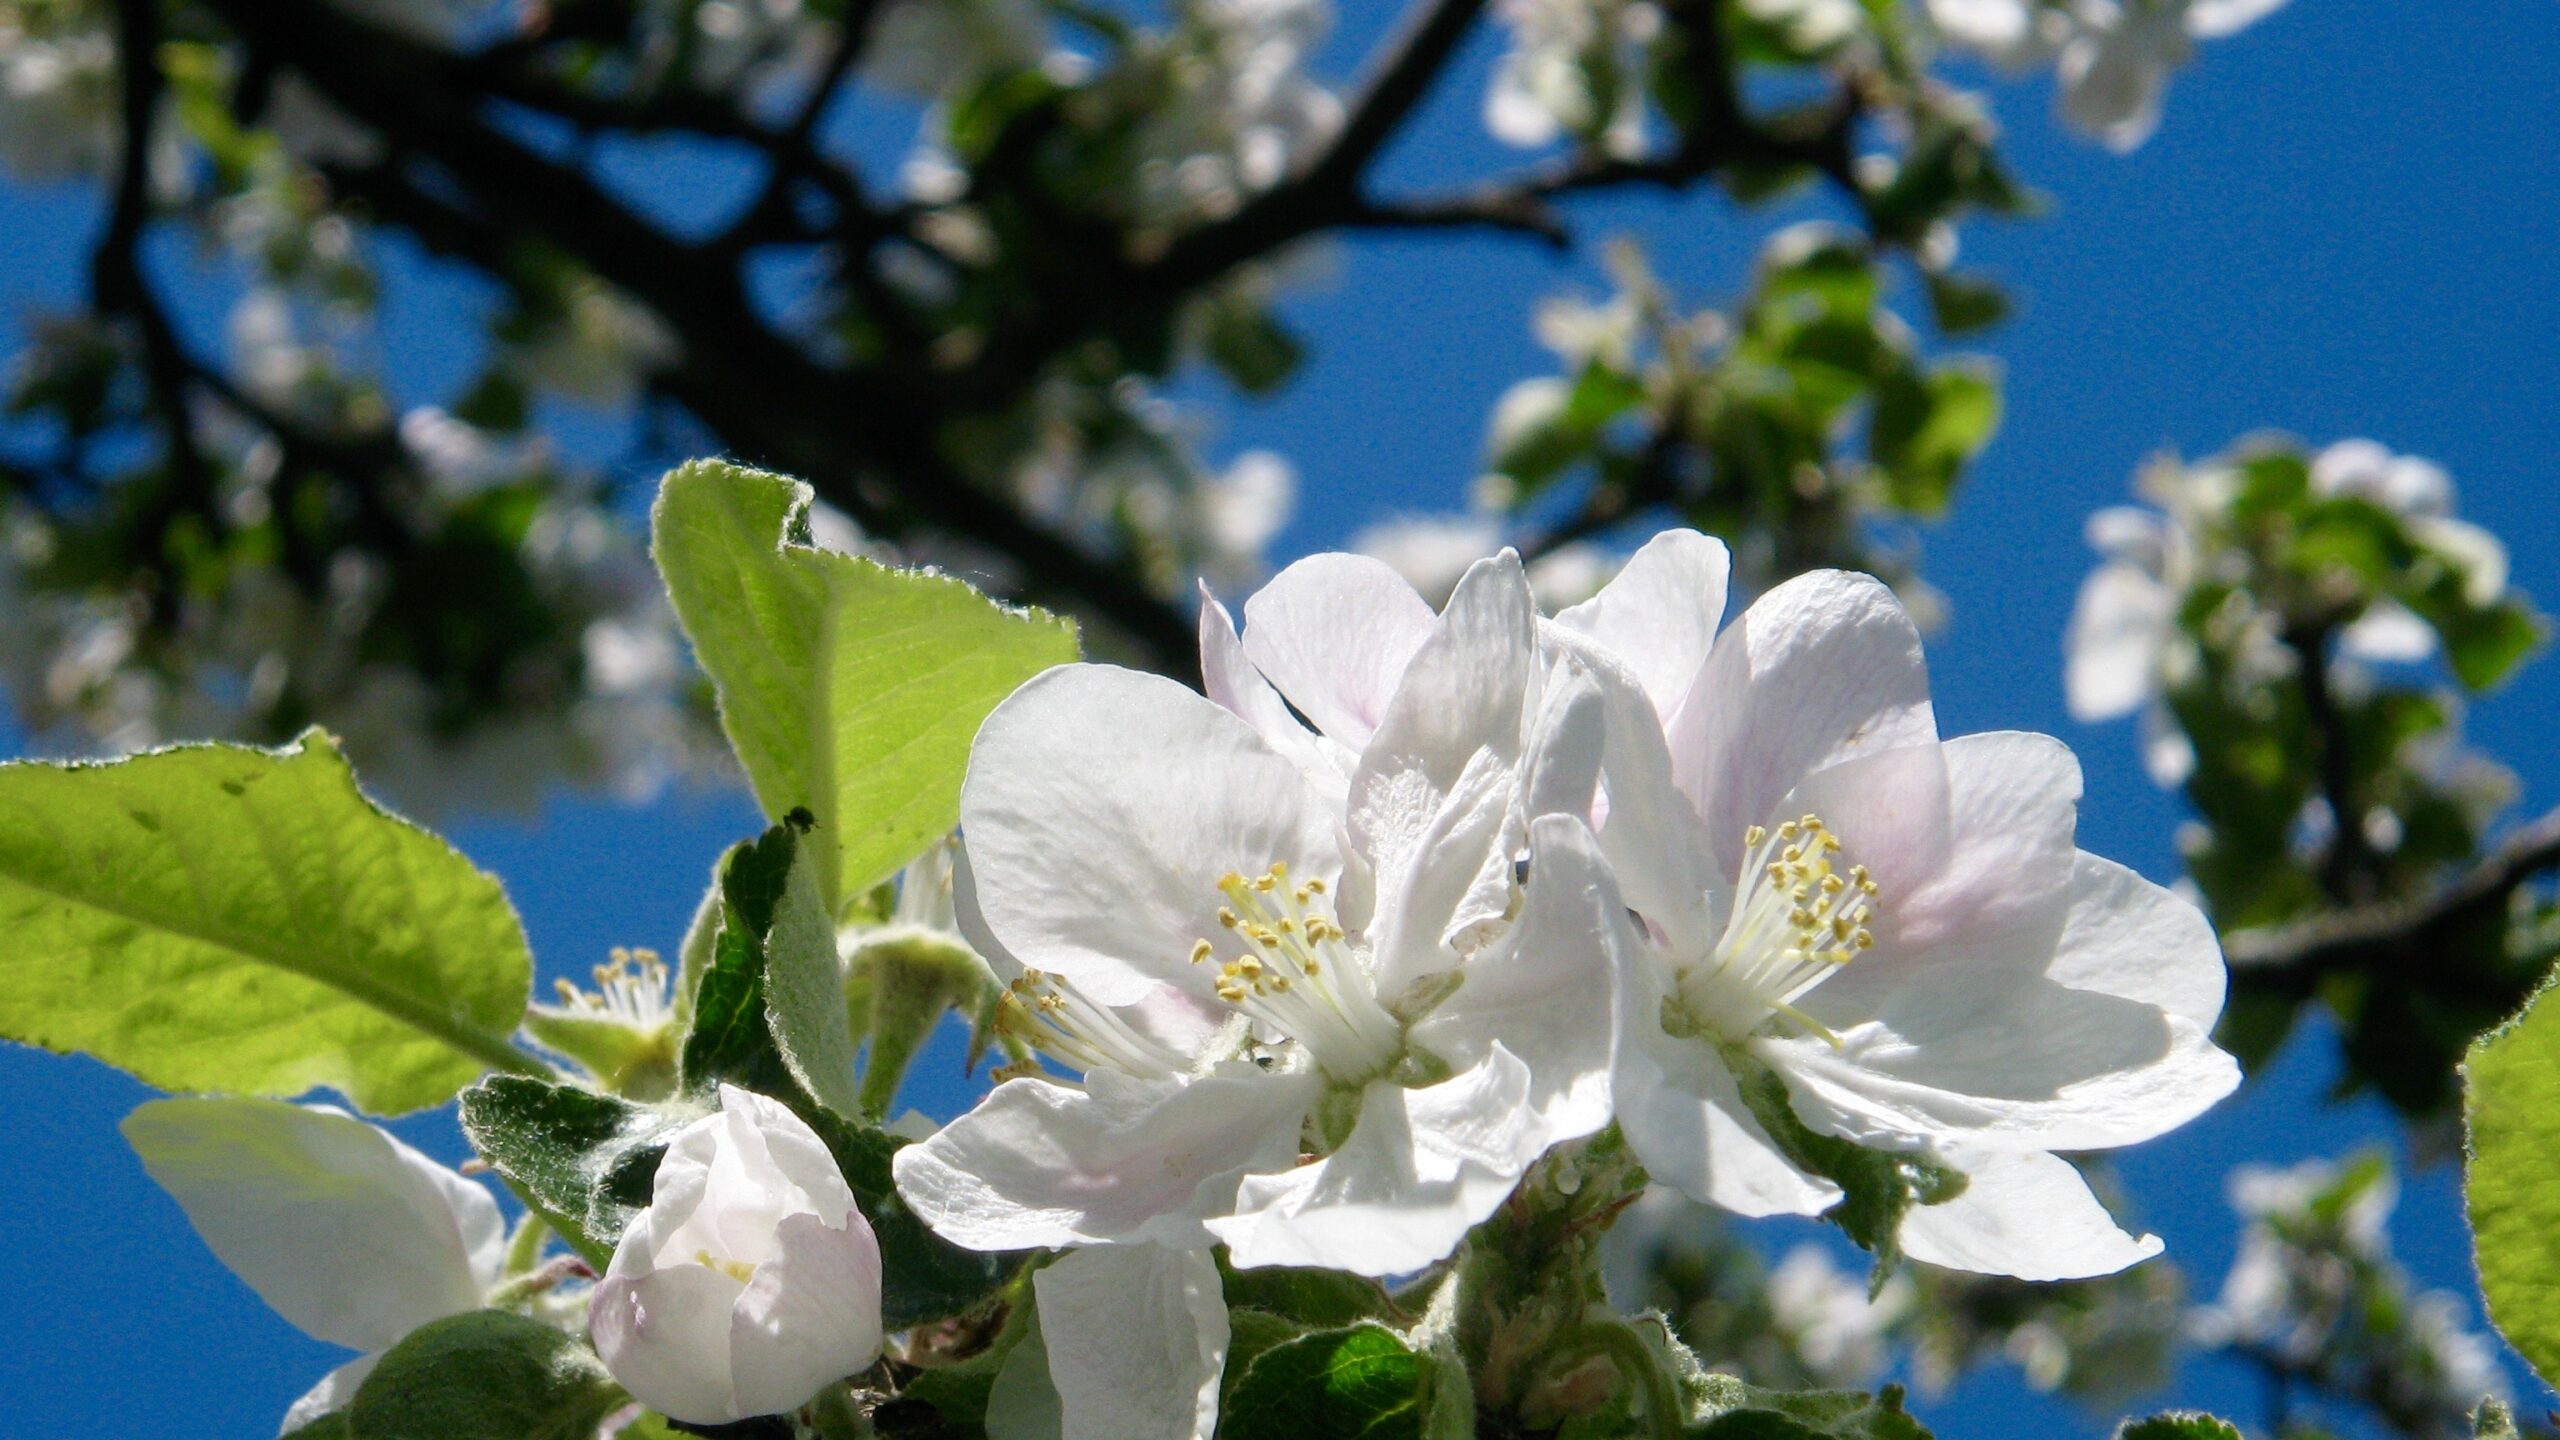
x: 735, y: 1270
x: 631, y: 990
x: 1051, y: 1016
x: 1797, y: 917
x: 1297, y: 976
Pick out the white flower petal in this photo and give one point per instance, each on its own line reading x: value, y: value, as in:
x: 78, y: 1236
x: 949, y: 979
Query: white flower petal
x: 1824, y: 667
x: 2213, y: 19
x: 2096, y: 1039
x: 2112, y: 80
x: 2126, y: 936
x: 2030, y: 1216
x: 2387, y: 633
x: 2117, y: 630
x: 1659, y: 615
x: 1040, y: 1163
x: 348, y: 1233
x: 1333, y: 632
x: 1136, y: 1341
x: 334, y: 1393
x: 1649, y: 832
x: 1546, y: 990
x: 810, y: 1316
x: 1421, y: 1168
x: 1111, y: 803
x: 1231, y: 680
x: 665, y: 1336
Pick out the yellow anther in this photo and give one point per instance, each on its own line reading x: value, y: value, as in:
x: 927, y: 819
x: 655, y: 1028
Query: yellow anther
x: 1315, y: 887
x: 1864, y: 939
x: 1200, y: 951
x: 1279, y: 871
x: 1266, y: 883
x: 1787, y: 830
x: 1753, y: 838
x: 1833, y: 884
x: 1227, y: 917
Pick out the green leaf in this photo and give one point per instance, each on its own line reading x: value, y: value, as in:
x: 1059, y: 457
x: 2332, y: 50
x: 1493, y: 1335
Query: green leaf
x: 214, y: 917
x: 332, y: 1426
x: 1963, y: 304
x: 1736, y: 1411
x: 2178, y: 1425
x: 1927, y: 428
x: 485, y: 1375
x: 1359, y: 1383
x: 741, y: 1037
x: 846, y: 687
x: 769, y: 1010
x: 586, y: 1161
x: 2511, y: 1119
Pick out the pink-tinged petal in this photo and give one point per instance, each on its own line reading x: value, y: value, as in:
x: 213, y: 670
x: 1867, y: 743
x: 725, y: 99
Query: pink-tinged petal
x: 2030, y: 1216
x: 1421, y: 1168
x: 665, y: 1337
x: 1136, y: 1340
x: 1659, y: 614
x: 1102, y: 807
x: 809, y: 1317
x: 1043, y: 1164
x: 346, y: 1231
x: 2117, y: 630
x: 1333, y: 632
x: 1821, y: 669
x: 1546, y: 991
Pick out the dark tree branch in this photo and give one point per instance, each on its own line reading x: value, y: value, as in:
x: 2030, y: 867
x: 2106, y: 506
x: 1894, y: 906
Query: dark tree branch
x: 2347, y: 872
x: 115, y: 268
x: 2352, y: 937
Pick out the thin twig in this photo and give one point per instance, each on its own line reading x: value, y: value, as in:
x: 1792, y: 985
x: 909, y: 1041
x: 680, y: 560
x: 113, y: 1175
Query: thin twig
x: 2338, y: 939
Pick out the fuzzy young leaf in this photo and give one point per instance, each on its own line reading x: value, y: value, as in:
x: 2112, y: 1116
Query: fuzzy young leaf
x: 1736, y: 1411
x: 2511, y: 1118
x: 486, y: 1375
x: 2178, y: 1425
x: 585, y: 1160
x: 847, y: 687
x: 1359, y: 1383
x: 214, y: 917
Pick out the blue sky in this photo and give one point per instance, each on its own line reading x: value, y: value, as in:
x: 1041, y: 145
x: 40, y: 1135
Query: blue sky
x: 2345, y: 227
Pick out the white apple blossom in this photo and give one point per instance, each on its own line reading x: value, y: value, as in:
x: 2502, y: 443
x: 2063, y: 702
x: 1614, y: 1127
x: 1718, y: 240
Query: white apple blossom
x: 2113, y: 57
x: 341, y: 1227
x: 1235, y: 105
x: 1126, y: 1342
x: 1899, y: 929
x: 2124, y: 645
x: 929, y: 48
x: 57, y: 91
x: 1262, y: 943
x: 751, y: 1281
x: 1576, y: 68
x: 1839, y: 1326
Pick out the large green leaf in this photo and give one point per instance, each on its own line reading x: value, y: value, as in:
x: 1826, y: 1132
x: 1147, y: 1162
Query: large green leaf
x: 849, y: 688
x: 485, y: 1375
x: 1360, y: 1383
x: 769, y: 1009
x: 2511, y: 1111
x: 214, y: 917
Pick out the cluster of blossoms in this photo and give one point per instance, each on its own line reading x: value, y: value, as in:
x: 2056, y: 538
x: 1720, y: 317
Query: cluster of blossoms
x: 2112, y: 57
x: 2128, y: 645
x: 1580, y: 70
x: 1314, y: 968
x: 1340, y: 949
x: 2315, y: 1297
